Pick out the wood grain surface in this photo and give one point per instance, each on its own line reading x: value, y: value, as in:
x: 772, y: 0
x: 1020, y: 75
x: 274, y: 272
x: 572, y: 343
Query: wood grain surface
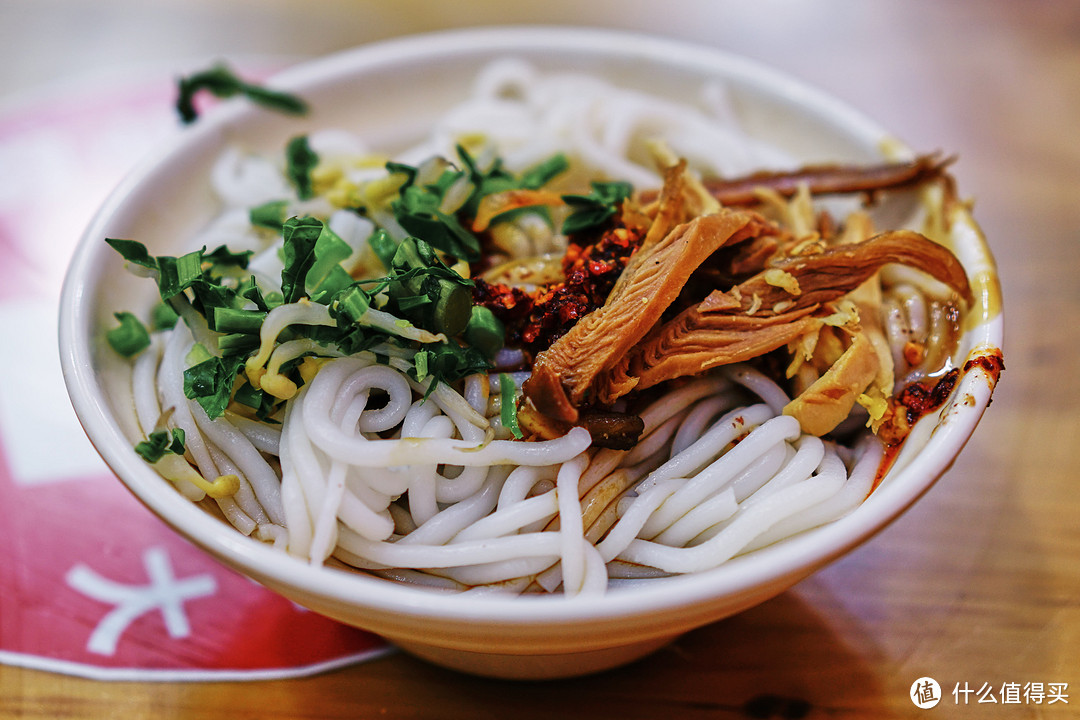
x: 978, y: 583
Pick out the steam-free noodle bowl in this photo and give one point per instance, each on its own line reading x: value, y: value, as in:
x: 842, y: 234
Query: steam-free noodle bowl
x: 325, y: 391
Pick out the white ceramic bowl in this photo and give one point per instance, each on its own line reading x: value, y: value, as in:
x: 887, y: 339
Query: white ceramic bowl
x: 393, y: 90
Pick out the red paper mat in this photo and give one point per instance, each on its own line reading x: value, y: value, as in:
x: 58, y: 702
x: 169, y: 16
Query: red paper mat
x: 91, y: 582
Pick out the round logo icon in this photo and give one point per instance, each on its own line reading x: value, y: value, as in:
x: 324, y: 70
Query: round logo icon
x: 925, y: 693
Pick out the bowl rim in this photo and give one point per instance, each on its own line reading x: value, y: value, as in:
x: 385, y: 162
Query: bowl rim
x: 792, y: 559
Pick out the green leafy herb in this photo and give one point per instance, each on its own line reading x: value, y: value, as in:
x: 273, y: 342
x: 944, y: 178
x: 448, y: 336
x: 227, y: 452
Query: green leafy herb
x: 384, y: 247
x: 417, y: 210
x: 420, y: 362
x: 130, y: 338
x: 134, y: 252
x: 178, y: 274
x: 592, y: 211
x: 300, y: 160
x: 541, y: 174
x: 269, y: 215
x: 508, y: 405
x: 350, y: 305
x: 210, y: 383
x: 222, y: 257
x: 301, y: 235
x: 498, y: 179
x: 262, y: 402
x: 313, y: 255
x: 174, y: 275
x: 163, y: 317
x: 485, y: 331
x: 222, y: 82
x: 237, y: 343
x: 161, y: 442
x: 327, y: 276
x: 448, y: 362
x: 249, y: 290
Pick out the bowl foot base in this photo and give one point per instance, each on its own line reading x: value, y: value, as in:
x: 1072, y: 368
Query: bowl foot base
x: 537, y: 666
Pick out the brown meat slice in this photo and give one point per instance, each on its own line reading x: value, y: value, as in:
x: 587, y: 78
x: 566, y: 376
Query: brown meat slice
x: 826, y: 180
x: 757, y: 316
x: 564, y: 373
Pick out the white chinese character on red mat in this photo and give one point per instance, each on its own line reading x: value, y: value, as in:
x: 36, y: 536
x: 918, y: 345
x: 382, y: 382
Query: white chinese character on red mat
x: 164, y: 592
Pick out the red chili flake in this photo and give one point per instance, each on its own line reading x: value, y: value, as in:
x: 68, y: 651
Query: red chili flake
x: 591, y: 267
x: 993, y: 363
x: 596, y: 267
x: 923, y: 397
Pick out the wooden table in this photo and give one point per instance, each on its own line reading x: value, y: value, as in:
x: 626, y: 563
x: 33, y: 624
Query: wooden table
x: 978, y: 584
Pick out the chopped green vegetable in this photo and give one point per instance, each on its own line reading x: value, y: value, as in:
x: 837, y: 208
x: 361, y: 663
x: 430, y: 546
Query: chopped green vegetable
x: 498, y: 179
x: 221, y: 82
x: 300, y: 160
x: 420, y: 362
x: 161, y: 442
x: 234, y: 343
x: 222, y: 257
x: 301, y: 235
x: 270, y: 215
x: 350, y: 305
x: 130, y: 338
x: 262, y: 402
x: 327, y: 276
x: 313, y: 256
x: 417, y: 209
x: 541, y: 174
x: 420, y: 274
x: 508, y: 405
x: 595, y: 209
x: 485, y: 332
x: 384, y: 247
x: 163, y: 317
x: 249, y: 290
x: 174, y: 275
x: 447, y: 362
x: 134, y: 252
x: 210, y: 383
x: 232, y: 320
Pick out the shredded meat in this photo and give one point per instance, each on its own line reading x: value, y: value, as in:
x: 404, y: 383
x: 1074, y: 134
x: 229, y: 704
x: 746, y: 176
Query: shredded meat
x: 711, y: 283
x: 564, y: 373
x: 827, y: 180
x: 756, y: 316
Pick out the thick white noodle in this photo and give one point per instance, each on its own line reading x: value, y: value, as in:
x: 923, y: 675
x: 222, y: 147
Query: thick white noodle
x: 744, y: 527
x: 571, y: 529
x: 854, y: 492
x: 266, y: 438
x: 144, y: 386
